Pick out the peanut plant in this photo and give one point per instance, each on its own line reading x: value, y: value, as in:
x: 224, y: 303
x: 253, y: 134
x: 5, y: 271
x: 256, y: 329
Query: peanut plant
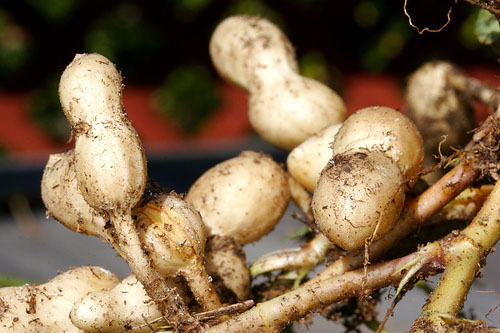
x: 353, y: 179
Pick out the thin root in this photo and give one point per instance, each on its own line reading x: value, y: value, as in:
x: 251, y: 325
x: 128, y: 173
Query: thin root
x: 421, y: 31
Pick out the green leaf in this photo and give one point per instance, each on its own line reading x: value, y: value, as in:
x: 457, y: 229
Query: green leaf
x: 487, y: 27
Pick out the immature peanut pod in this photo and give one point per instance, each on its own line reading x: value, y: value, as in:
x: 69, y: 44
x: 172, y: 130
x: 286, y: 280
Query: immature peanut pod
x: 284, y: 108
x: 46, y: 307
x: 378, y: 154
x: 63, y: 199
x: 109, y: 159
x: 243, y: 197
x: 174, y: 235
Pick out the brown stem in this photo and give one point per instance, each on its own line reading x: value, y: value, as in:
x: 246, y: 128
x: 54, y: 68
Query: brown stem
x: 169, y: 303
x: 491, y: 6
x: 208, y: 315
x: 225, y: 310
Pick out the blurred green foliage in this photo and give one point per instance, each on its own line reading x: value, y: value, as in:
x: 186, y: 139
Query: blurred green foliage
x: 149, y: 42
x: 187, y: 10
x: 314, y: 65
x: 256, y: 7
x: 487, y: 27
x: 388, y: 45
x: 188, y: 96
x: 45, y: 109
x: 15, y: 46
x: 54, y: 11
x: 123, y: 35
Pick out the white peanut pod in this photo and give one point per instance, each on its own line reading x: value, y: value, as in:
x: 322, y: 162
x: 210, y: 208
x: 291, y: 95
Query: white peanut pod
x: 109, y: 158
x: 358, y: 197
x: 361, y: 192
x: 238, y: 40
x: 63, y: 199
x: 306, y: 161
x: 46, y: 307
x: 126, y: 307
x: 243, y: 197
x: 437, y: 109
x: 287, y: 112
x: 90, y: 91
x: 383, y: 129
x: 284, y: 107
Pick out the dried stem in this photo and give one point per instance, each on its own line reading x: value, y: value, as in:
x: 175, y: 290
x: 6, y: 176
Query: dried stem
x: 491, y: 6
x: 225, y: 310
x: 208, y: 315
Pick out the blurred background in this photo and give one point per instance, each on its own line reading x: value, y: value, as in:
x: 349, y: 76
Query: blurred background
x: 187, y: 117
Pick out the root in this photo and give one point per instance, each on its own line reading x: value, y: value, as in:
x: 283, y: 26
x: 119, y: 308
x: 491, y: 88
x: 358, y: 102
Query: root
x: 421, y: 31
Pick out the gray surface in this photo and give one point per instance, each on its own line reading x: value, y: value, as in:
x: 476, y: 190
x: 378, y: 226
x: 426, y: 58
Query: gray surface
x: 56, y: 248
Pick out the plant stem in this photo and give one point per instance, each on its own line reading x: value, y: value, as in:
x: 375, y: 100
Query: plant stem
x: 308, y: 255
x: 271, y: 315
x: 203, y: 291
x: 463, y: 260
x: 169, y: 303
x: 301, y: 197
